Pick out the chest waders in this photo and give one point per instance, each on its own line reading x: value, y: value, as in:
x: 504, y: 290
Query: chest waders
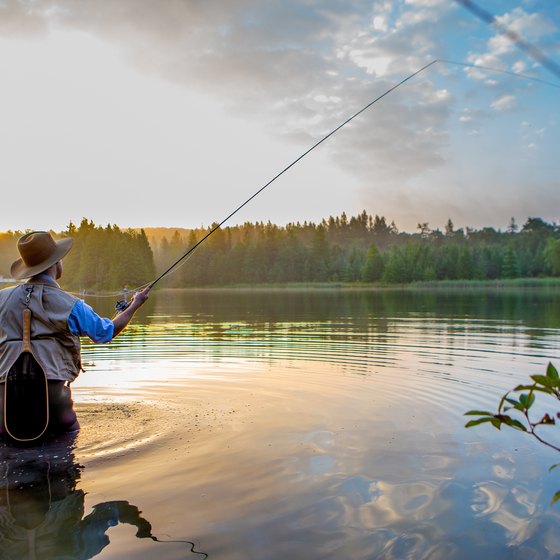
x: 26, y: 394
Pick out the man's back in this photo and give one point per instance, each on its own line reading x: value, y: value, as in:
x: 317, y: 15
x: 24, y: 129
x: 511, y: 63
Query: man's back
x: 52, y: 343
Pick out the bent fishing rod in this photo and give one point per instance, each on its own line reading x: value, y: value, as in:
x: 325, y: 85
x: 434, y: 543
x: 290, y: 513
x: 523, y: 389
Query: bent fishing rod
x: 123, y: 304
x: 278, y: 175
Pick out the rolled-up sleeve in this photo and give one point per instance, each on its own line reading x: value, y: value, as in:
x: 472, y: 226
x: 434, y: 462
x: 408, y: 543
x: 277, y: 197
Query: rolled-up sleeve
x: 84, y: 321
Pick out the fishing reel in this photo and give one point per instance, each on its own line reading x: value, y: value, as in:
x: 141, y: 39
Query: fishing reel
x: 121, y: 305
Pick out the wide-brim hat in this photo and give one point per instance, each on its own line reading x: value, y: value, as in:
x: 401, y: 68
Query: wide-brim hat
x: 39, y: 251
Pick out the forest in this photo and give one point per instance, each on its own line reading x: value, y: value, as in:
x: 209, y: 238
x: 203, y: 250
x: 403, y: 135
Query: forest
x: 102, y: 258
x: 362, y: 248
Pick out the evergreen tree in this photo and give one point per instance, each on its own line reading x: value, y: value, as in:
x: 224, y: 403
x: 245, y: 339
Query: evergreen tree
x: 510, y: 266
x: 320, y: 255
x: 449, y: 228
x: 552, y: 256
x: 351, y: 248
x: 373, y: 267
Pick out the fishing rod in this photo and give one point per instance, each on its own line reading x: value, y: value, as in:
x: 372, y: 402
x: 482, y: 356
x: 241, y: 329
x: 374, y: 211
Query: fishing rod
x: 319, y: 142
x: 278, y: 175
x: 123, y: 304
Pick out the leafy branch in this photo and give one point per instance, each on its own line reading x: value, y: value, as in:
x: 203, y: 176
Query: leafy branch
x: 519, y: 402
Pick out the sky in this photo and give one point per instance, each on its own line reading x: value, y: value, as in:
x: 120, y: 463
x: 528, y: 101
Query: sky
x: 150, y: 113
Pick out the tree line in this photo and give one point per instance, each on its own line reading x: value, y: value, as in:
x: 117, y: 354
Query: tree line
x: 102, y: 258
x: 362, y: 248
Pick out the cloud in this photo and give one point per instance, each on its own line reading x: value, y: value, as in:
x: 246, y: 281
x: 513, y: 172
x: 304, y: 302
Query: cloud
x: 472, y: 117
x: 532, y: 27
x: 380, y: 23
x: 427, y: 3
x: 18, y: 19
x: 504, y: 103
x: 301, y: 68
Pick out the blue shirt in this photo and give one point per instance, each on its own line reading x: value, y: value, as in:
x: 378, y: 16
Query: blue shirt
x: 84, y: 321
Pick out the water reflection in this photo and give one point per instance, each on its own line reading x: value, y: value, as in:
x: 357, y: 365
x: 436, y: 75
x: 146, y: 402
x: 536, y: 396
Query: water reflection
x: 42, y: 510
x: 329, y: 424
x: 538, y: 308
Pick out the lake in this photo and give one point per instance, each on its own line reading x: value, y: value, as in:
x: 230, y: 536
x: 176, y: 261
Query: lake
x: 313, y: 424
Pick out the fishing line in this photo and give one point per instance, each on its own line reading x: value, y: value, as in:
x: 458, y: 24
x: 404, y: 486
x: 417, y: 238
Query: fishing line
x: 183, y: 259
x: 500, y: 71
x: 390, y: 90
x: 278, y: 175
x: 156, y: 539
x: 130, y: 291
x: 530, y: 49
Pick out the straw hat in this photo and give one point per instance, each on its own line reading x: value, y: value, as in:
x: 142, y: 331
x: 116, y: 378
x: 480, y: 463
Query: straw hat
x: 38, y: 251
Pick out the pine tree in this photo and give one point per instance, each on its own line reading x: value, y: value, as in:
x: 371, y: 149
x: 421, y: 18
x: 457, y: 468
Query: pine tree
x: 373, y: 267
x: 510, y: 267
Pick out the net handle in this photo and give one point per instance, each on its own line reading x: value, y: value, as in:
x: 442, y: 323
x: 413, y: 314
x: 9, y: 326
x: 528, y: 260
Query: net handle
x: 26, y: 331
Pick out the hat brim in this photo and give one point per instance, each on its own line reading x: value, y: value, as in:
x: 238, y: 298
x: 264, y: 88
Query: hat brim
x: 19, y: 270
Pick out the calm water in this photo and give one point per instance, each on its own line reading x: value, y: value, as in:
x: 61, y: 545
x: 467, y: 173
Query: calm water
x: 313, y: 425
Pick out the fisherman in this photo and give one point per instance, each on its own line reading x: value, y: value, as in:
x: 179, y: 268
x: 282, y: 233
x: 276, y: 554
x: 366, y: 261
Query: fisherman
x: 58, y: 320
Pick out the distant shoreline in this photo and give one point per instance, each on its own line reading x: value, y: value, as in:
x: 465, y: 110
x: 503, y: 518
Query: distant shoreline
x: 500, y: 284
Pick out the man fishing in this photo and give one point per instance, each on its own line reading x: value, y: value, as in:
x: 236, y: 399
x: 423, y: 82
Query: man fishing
x: 50, y: 342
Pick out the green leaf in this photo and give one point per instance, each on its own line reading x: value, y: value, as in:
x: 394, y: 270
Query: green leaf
x: 552, y: 373
x: 527, y: 400
x: 533, y: 388
x: 516, y: 405
x: 497, y: 423
x: 478, y: 421
x: 553, y: 467
x: 511, y: 422
x: 555, y: 498
x: 478, y: 413
x: 502, y: 400
x: 543, y: 380
x: 518, y: 425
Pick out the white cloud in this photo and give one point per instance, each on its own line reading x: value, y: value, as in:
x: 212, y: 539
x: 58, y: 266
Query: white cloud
x: 468, y: 115
x: 487, y: 60
x: 531, y: 27
x: 380, y: 23
x: 519, y: 66
x: 377, y: 65
x: 426, y: 3
x: 504, y: 103
x: 297, y: 69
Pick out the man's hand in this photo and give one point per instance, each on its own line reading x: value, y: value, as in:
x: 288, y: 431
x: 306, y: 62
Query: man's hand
x: 140, y: 298
x: 123, y: 318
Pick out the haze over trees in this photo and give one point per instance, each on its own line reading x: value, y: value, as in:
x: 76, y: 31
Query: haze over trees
x: 362, y: 248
